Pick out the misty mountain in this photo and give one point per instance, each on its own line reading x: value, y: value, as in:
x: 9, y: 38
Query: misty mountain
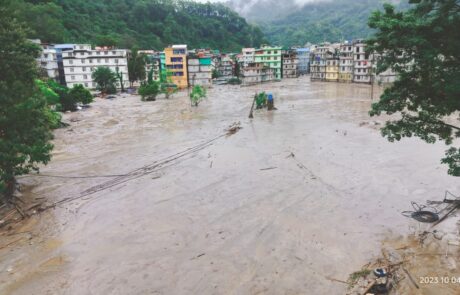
x: 296, y: 22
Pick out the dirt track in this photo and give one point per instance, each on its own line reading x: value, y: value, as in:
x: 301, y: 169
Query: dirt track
x: 241, y: 216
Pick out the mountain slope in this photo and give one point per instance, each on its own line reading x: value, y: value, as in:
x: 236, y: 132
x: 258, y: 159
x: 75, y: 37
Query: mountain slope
x: 141, y: 23
x: 301, y: 21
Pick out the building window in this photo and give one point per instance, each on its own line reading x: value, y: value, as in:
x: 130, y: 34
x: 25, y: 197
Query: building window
x: 86, y: 84
x: 116, y: 60
x: 82, y: 61
x: 72, y: 77
x: 85, y: 77
x: 114, y: 52
x: 71, y: 70
x: 84, y: 69
x: 106, y: 52
x: 70, y: 62
x: 107, y: 60
x: 90, y: 61
x: 98, y: 53
x: 98, y: 60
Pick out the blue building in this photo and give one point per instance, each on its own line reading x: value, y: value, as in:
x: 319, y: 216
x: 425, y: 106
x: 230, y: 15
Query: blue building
x: 303, y: 55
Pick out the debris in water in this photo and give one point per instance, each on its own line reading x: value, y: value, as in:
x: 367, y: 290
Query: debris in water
x: 269, y: 168
x: 234, y: 128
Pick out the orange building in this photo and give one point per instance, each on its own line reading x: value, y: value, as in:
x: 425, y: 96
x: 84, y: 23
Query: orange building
x: 176, y: 65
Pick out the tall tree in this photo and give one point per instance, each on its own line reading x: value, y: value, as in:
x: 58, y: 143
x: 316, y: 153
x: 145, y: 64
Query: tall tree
x: 136, y: 66
x: 105, y: 79
x: 24, y: 126
x: 422, y: 45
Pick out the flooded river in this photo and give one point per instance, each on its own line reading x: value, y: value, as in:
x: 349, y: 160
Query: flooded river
x: 296, y: 197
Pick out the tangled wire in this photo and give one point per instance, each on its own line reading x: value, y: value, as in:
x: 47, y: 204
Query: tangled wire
x: 422, y: 215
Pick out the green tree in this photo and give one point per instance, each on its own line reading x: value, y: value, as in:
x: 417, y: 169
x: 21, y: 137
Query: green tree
x: 24, y: 128
x: 422, y: 45
x: 79, y: 93
x: 52, y: 100
x: 198, y: 93
x: 149, y: 91
x: 120, y: 80
x: 136, y: 67
x: 216, y: 74
x: 105, y: 79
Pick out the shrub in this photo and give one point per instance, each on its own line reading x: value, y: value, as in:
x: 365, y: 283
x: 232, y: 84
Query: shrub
x: 234, y: 81
x: 197, y: 94
x: 81, y: 94
x: 149, y: 91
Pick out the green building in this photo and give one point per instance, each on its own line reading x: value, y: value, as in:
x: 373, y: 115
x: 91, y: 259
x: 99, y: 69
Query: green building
x: 270, y: 56
x: 163, y: 66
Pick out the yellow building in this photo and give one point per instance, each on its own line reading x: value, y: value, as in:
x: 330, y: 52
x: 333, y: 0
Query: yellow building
x: 332, y: 69
x: 176, y: 65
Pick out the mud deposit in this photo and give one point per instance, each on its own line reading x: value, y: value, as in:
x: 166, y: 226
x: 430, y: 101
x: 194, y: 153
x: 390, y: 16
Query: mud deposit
x: 296, y: 196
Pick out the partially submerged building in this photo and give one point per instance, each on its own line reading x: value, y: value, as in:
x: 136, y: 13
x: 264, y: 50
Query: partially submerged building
x: 81, y: 61
x: 270, y: 56
x: 176, y: 65
x: 346, y: 63
x: 290, y: 64
x: 200, y: 70
x: 255, y: 73
x: 303, y: 57
x: 362, y: 64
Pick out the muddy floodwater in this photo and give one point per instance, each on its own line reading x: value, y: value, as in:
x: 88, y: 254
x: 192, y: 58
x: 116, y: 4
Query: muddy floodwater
x: 296, y: 197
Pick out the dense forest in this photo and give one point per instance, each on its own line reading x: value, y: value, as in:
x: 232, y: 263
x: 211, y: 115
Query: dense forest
x: 296, y: 22
x: 146, y: 24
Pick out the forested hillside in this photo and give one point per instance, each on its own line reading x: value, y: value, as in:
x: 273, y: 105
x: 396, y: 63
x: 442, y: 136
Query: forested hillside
x: 148, y: 24
x: 296, y: 22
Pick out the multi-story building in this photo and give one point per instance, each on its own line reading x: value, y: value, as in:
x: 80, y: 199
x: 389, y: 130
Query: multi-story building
x: 225, y: 66
x: 48, y: 60
x: 80, y: 62
x: 362, y: 64
x: 248, y: 56
x: 152, y: 64
x: 319, y: 56
x: 290, y: 65
x: 386, y: 77
x: 270, y: 57
x: 176, y: 65
x: 346, y: 63
x: 303, y: 56
x: 200, y: 70
x: 255, y: 73
x: 332, y: 67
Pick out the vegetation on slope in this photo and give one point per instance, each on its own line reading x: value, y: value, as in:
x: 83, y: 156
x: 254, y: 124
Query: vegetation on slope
x: 149, y: 24
x: 324, y: 21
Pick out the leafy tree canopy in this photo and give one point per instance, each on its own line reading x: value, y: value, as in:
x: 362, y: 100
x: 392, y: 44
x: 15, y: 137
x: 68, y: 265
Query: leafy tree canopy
x: 24, y: 125
x: 105, y: 79
x: 423, y: 46
x: 147, y: 24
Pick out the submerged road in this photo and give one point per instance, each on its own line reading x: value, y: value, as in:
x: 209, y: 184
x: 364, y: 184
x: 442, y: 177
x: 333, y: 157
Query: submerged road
x: 296, y: 197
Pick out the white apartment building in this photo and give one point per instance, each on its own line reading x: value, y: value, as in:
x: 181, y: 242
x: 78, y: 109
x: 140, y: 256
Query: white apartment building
x: 49, y: 64
x: 80, y: 62
x: 199, y: 71
x: 48, y: 60
x: 362, y: 64
x: 226, y: 67
x: 290, y: 65
x: 248, y: 56
x: 346, y: 63
x: 256, y: 73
